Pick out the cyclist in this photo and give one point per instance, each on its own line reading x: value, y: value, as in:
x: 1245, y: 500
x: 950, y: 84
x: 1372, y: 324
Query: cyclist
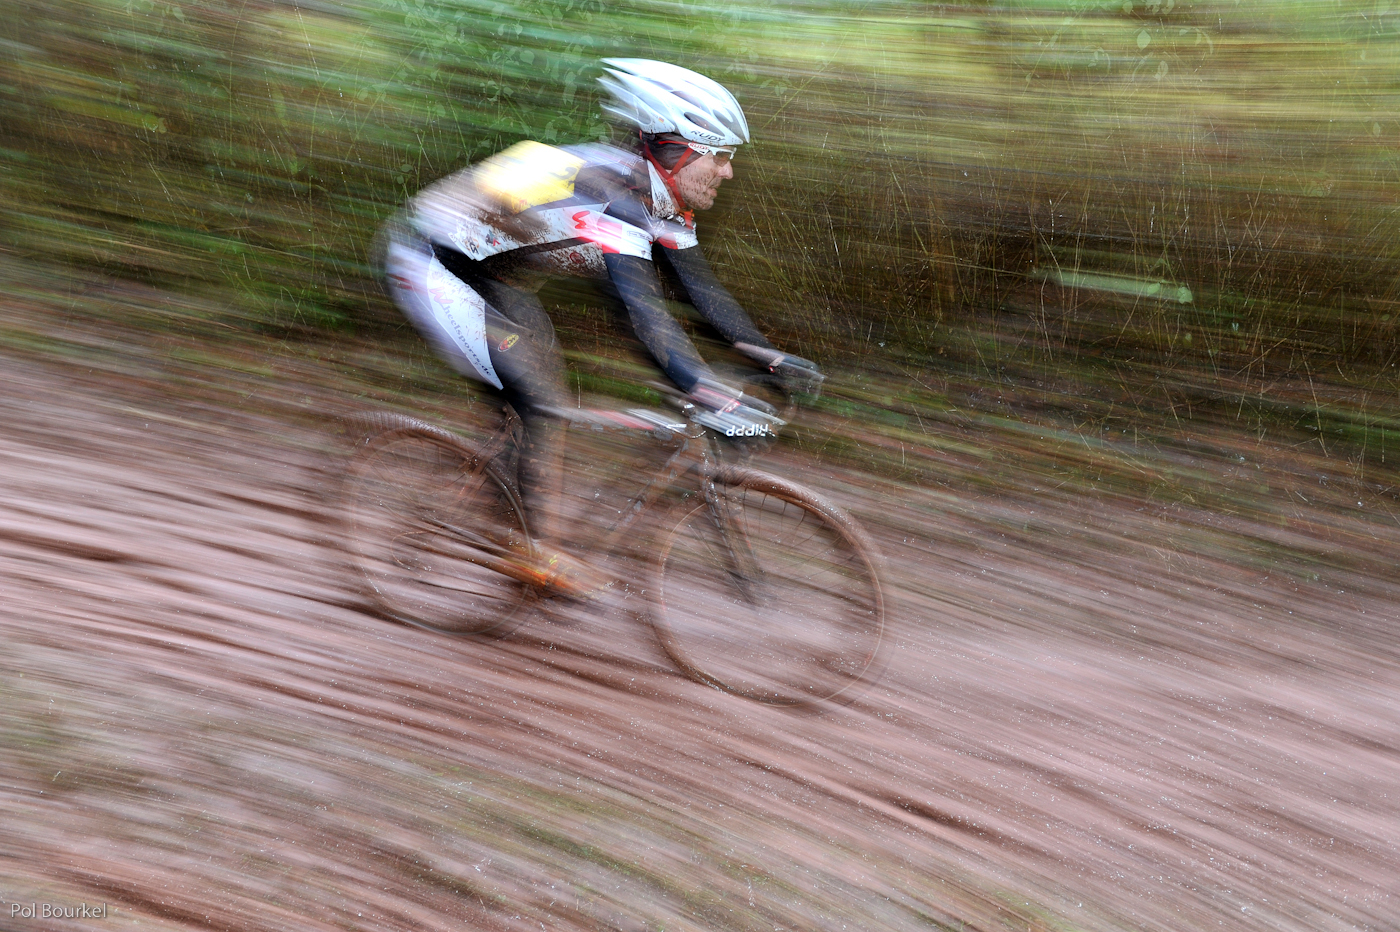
x: 465, y: 259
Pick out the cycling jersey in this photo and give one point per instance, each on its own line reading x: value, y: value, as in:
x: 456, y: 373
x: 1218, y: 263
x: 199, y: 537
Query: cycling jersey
x: 536, y: 211
x: 554, y: 210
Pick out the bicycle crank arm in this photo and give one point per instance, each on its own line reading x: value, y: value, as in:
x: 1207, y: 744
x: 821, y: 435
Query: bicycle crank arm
x: 480, y: 550
x: 488, y: 554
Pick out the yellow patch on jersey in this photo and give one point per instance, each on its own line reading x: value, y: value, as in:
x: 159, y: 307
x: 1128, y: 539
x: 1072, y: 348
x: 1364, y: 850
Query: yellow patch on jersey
x: 527, y: 175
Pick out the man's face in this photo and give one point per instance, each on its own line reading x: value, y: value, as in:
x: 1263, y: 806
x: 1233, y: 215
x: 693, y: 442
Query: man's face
x: 699, y: 180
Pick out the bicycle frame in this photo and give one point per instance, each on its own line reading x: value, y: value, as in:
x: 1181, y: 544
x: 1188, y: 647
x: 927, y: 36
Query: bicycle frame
x: 752, y: 558
x: 698, y: 452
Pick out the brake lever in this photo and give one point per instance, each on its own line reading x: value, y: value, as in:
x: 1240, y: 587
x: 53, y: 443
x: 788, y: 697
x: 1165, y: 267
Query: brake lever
x: 770, y: 359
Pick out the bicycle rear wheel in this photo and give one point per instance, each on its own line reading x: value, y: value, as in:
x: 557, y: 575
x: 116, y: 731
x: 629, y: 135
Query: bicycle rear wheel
x: 426, y: 520
x: 772, y: 593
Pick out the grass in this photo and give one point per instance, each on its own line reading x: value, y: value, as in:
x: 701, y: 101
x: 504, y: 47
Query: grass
x: 910, y: 166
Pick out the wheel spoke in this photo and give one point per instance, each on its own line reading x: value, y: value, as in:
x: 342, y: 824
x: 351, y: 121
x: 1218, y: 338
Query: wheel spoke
x: 818, y: 625
x: 427, y: 522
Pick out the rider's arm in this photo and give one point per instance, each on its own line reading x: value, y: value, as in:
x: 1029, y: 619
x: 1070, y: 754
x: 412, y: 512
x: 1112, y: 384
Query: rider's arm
x: 711, y: 298
x: 640, y: 288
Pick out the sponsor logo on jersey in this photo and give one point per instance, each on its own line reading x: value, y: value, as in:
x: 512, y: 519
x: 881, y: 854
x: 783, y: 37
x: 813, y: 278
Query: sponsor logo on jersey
x: 609, y: 235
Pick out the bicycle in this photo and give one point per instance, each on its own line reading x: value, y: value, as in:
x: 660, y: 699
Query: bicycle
x: 754, y: 584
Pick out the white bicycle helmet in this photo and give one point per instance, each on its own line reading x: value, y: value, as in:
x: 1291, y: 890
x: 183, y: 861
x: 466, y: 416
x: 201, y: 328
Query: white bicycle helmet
x: 661, y: 98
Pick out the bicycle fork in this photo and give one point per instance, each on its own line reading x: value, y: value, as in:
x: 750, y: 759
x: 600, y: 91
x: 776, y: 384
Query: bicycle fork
x: 736, y: 545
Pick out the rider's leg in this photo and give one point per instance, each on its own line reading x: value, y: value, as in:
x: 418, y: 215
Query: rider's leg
x: 519, y: 341
x: 523, y: 355
x: 526, y: 357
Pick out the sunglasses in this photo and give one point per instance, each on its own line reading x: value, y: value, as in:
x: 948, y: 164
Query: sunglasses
x: 722, y: 154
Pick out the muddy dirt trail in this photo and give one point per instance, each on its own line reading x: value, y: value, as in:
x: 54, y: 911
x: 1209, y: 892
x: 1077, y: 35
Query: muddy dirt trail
x: 1097, y: 714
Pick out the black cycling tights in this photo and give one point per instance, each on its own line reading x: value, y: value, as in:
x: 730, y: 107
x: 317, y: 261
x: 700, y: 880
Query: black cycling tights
x: 525, y: 354
x: 526, y: 357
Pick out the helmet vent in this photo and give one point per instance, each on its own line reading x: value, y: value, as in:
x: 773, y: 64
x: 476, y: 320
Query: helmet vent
x: 659, y: 97
x: 703, y: 123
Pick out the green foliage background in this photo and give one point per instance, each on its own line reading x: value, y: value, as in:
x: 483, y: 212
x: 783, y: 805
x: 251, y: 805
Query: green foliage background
x: 1102, y: 192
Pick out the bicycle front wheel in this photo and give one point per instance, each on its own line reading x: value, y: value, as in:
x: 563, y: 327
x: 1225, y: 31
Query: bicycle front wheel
x: 427, y: 520
x: 768, y: 592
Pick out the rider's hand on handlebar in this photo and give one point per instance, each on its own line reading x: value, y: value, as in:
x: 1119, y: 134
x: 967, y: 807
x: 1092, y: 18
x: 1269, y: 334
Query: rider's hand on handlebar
x: 799, y: 376
x: 795, y: 375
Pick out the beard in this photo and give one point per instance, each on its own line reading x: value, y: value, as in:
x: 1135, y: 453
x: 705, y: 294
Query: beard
x: 698, y: 193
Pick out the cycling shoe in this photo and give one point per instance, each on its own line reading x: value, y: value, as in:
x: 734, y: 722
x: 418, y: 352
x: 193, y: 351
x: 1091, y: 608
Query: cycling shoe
x: 562, y: 575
